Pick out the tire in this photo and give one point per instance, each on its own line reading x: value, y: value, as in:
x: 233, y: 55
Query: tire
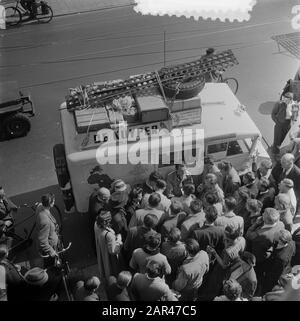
x: 13, y: 16
x: 233, y: 84
x: 187, y: 89
x: 16, y: 125
x: 44, y: 18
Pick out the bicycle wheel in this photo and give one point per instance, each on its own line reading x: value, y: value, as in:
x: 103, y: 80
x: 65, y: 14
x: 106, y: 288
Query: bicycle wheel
x: 44, y: 18
x: 233, y: 84
x: 13, y: 16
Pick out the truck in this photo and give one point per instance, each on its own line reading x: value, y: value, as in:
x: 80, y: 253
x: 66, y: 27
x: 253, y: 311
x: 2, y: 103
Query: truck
x: 93, y: 119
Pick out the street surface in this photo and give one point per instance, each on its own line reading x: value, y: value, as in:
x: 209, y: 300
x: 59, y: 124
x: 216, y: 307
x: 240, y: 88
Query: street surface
x: 48, y: 59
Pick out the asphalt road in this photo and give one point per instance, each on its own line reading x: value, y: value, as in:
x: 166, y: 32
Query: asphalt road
x: 48, y: 59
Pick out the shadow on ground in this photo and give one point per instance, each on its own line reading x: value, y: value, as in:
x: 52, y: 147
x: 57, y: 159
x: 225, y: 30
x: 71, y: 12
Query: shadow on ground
x: 266, y: 107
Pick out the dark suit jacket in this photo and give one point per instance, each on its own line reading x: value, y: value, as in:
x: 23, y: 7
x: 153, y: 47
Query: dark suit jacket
x: 261, y: 239
x: 210, y: 235
x: 279, y: 112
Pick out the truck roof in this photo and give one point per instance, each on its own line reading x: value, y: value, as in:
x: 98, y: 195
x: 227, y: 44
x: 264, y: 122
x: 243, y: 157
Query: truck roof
x: 221, y: 118
x: 220, y: 114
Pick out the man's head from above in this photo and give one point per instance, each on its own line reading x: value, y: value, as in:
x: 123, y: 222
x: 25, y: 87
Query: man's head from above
x: 287, y: 161
x: 285, y: 185
x: 48, y: 200
x: 270, y: 216
x: 265, y: 166
x: 103, y: 194
x: 124, y: 278
x: 282, y: 202
x: 92, y: 284
x: 282, y: 238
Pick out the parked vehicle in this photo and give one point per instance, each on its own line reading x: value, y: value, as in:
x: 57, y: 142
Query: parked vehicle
x: 15, y: 110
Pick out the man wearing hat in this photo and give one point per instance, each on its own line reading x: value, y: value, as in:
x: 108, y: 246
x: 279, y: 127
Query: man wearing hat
x: 281, y: 115
x: 40, y: 285
x: 108, y: 245
x: 99, y: 200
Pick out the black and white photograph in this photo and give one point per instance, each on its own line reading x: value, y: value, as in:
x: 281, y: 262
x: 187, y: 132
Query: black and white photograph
x: 149, y: 152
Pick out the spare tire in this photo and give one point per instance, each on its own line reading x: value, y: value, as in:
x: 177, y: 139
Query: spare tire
x: 187, y: 89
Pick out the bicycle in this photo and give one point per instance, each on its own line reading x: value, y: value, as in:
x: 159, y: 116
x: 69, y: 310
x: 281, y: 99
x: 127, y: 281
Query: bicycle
x: 14, y: 14
x: 63, y: 267
x: 217, y: 76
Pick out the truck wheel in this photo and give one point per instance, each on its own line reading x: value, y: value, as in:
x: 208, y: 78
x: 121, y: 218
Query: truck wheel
x: 17, y: 125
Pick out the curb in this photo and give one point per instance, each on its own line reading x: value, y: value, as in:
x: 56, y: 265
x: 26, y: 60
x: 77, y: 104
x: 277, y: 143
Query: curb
x: 92, y: 10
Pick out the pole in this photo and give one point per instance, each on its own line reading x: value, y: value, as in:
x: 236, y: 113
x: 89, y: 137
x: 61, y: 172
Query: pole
x: 164, y: 48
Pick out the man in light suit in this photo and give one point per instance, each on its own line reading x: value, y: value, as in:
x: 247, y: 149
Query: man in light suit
x: 47, y: 230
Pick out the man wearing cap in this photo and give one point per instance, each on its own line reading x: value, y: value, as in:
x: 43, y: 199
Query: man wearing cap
x: 281, y: 115
x: 108, y: 245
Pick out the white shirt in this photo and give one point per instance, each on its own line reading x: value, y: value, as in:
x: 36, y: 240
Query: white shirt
x: 293, y: 199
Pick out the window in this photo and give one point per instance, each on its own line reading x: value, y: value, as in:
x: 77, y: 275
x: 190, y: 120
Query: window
x: 217, y: 148
x: 237, y: 147
x: 234, y: 148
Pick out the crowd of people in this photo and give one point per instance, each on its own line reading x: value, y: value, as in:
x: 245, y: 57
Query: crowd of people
x: 229, y: 238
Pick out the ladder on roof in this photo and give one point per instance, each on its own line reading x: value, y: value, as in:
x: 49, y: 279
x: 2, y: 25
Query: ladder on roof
x: 93, y: 96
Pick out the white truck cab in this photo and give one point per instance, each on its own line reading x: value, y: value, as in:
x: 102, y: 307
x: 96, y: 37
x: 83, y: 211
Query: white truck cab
x: 228, y: 134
